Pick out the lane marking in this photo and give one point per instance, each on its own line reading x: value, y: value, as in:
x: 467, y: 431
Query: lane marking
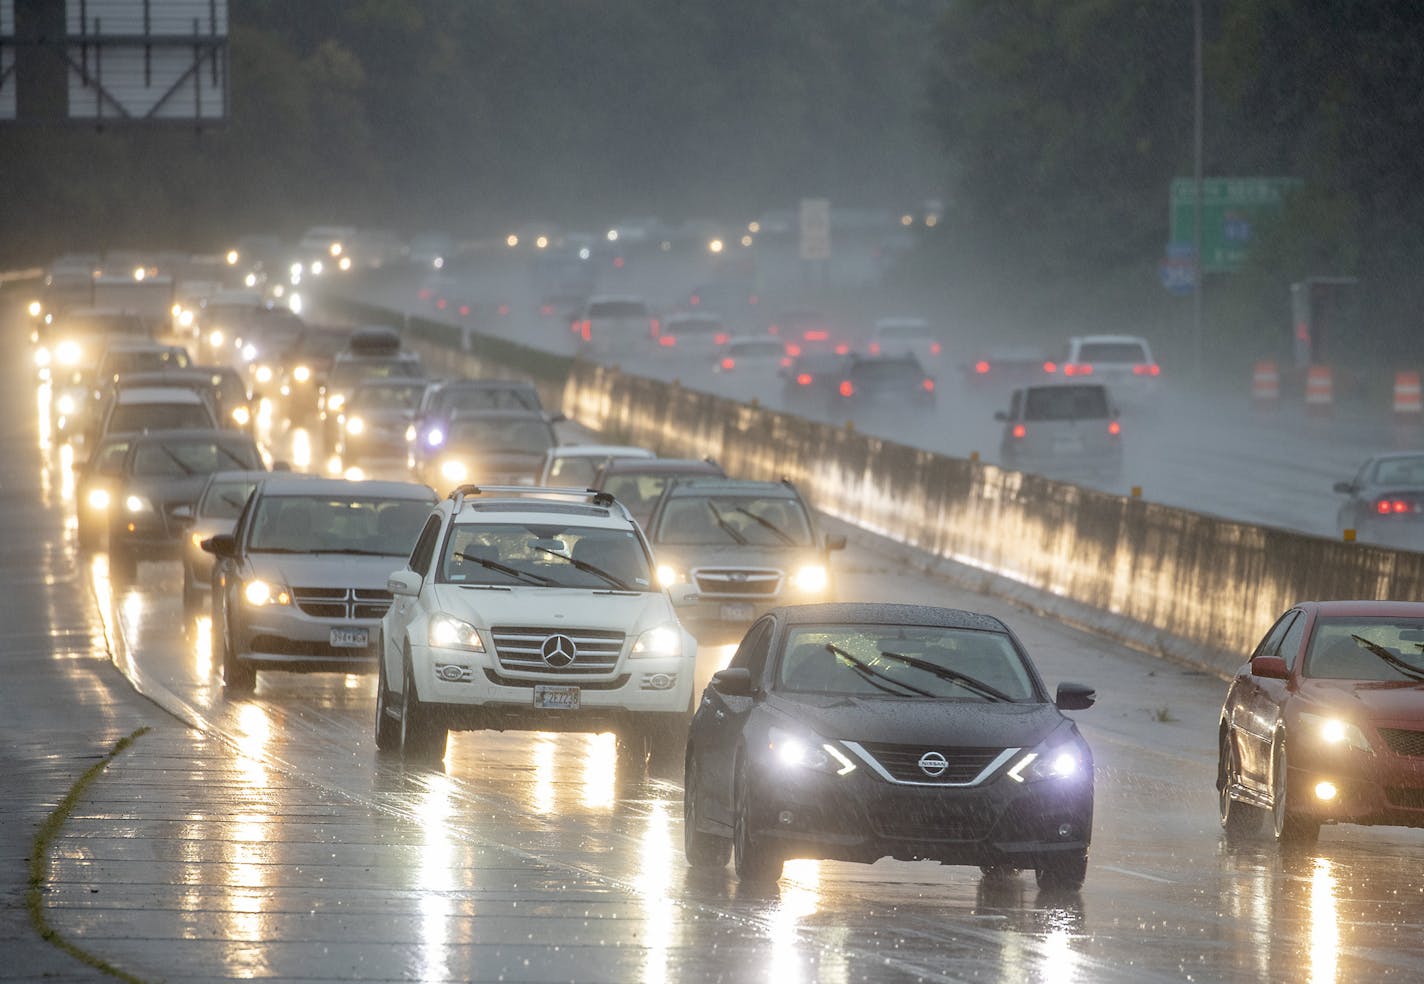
x: 1134, y: 874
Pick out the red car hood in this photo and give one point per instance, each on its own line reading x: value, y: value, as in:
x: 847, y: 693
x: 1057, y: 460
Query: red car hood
x: 1397, y: 704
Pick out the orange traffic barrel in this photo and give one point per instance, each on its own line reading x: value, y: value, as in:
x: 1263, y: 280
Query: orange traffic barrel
x: 1266, y: 384
x: 1319, y: 390
x: 1408, y: 398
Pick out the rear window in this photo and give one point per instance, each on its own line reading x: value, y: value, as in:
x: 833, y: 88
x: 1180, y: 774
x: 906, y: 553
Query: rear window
x: 159, y: 416
x: 1400, y: 471
x: 1066, y: 403
x: 348, y: 374
x: 224, y: 500
x: 695, y: 327
x: 387, y: 397
x: 618, y: 309
x: 1111, y: 352
x: 888, y: 371
x: 485, y: 398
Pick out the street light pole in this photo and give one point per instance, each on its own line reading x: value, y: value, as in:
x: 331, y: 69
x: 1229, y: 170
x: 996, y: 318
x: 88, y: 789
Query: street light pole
x: 1198, y: 330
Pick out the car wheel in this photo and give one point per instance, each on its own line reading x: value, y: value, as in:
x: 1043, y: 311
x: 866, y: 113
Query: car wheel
x: 239, y: 676
x: 1065, y: 875
x: 422, y: 737
x: 754, y: 860
x: 388, y: 729
x: 1290, y: 828
x: 703, y: 850
x: 1238, y: 820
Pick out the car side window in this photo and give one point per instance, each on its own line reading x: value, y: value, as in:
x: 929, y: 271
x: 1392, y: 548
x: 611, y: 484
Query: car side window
x: 1290, y: 642
x: 1271, y: 644
x: 424, y: 553
x: 751, y: 654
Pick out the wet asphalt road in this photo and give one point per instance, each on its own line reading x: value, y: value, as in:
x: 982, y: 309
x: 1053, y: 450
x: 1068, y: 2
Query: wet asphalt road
x: 265, y: 838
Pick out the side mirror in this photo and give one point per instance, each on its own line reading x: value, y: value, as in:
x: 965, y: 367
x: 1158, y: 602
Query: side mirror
x: 683, y: 595
x: 221, y: 545
x: 406, y: 584
x: 835, y: 541
x: 1075, y: 697
x: 734, y: 682
x: 1001, y: 415
x: 1345, y: 488
x: 184, y: 514
x: 1270, y: 667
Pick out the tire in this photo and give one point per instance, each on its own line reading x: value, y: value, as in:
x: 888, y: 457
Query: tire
x: 422, y: 737
x: 755, y: 861
x: 1289, y: 828
x: 705, y: 852
x: 388, y: 729
x: 239, y: 676
x: 1065, y: 875
x: 1238, y: 820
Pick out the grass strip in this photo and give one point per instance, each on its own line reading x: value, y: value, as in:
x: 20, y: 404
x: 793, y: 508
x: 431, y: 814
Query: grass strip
x: 39, y: 863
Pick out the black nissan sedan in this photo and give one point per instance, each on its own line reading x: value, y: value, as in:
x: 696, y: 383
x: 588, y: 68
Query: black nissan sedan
x: 860, y: 731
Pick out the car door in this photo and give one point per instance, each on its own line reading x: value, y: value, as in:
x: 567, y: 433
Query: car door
x: 395, y: 627
x: 720, y: 720
x: 1263, y: 699
x: 225, y: 573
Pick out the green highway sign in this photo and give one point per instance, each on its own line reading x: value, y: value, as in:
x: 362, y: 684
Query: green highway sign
x: 1231, y: 207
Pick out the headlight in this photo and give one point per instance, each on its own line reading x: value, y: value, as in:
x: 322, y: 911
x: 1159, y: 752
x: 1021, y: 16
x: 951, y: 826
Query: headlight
x: 301, y: 374
x: 668, y: 576
x: 215, y: 339
x: 1334, y: 731
x: 449, y: 632
x: 249, y: 352
x: 812, y: 579
x: 1061, y: 760
x: 454, y: 471
x: 65, y: 404
x: 264, y: 374
x: 185, y: 319
x: 435, y: 438
x: 355, y: 425
x: 409, y: 433
x: 68, y: 353
x: 42, y: 357
x: 35, y: 309
x: 260, y: 593
x: 241, y: 415
x: 336, y: 401
x: 661, y: 640
x: 807, y: 751
x: 98, y: 499
x: 137, y: 504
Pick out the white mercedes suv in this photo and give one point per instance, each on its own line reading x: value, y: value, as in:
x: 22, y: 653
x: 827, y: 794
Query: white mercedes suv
x: 531, y: 609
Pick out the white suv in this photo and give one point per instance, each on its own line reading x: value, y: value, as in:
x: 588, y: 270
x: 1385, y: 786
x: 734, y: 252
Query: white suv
x: 531, y: 609
x: 1122, y: 363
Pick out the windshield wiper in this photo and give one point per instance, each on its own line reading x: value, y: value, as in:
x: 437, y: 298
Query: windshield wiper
x: 177, y: 460
x: 584, y: 565
x: 785, y: 537
x: 726, y: 526
x: 495, y: 565
x: 954, y: 676
x: 1412, y: 672
x: 231, y: 457
x: 870, y: 674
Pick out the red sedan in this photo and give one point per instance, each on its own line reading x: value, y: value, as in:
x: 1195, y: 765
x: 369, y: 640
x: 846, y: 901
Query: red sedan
x: 1325, y: 724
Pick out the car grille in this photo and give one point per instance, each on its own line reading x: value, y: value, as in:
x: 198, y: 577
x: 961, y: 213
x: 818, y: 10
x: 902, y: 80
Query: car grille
x: 1402, y: 741
x: 902, y: 762
x: 740, y: 582
x: 522, y: 648
x: 1406, y: 797
x: 343, y: 603
x: 928, y: 822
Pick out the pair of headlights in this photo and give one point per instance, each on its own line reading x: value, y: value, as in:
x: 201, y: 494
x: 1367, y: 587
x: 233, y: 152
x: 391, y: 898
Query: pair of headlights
x: 101, y: 499
x: 1052, y: 759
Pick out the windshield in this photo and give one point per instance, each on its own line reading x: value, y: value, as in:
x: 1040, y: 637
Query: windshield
x: 453, y: 398
x: 387, y: 397
x: 1066, y: 403
x: 764, y: 521
x: 524, y: 435
x: 337, y: 524
x: 194, y: 457
x: 887, y: 371
x: 906, y: 661
x: 544, y: 555
x: 1345, y: 648
x: 345, y: 375
x: 224, y: 500
x: 159, y: 416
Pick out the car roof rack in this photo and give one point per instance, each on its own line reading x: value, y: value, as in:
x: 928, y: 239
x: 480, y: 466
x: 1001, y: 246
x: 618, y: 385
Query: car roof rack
x: 597, y: 497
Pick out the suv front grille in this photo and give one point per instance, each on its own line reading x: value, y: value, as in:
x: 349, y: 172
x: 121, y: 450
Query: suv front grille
x: 1402, y: 741
x: 342, y: 603
x: 522, y: 648
x: 903, y: 762
x: 739, y: 582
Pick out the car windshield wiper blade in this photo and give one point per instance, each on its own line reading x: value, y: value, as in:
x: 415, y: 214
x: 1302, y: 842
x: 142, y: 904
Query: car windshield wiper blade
x: 871, y: 674
x: 954, y: 676
x: 584, y: 565
x: 1412, y: 672
x: 780, y: 533
x: 176, y: 460
x: 232, y: 457
x: 726, y: 526
x: 495, y: 565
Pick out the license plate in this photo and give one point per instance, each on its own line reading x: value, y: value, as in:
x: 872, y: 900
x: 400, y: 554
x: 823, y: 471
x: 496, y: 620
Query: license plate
x: 1068, y: 445
x: 556, y: 698
x: 350, y: 638
x: 740, y: 612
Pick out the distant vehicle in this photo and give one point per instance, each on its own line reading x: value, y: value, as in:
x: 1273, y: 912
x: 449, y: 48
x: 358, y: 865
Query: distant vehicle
x: 563, y: 278
x: 1123, y: 363
x: 745, y: 547
x: 304, y: 369
x: 905, y: 336
x: 156, y: 408
x: 576, y: 465
x: 879, y: 382
x: 861, y: 731
x: 735, y: 299
x: 370, y: 353
x: 639, y: 482
x: 695, y: 335
x: 324, y: 244
x: 615, y: 324
x: 375, y: 418
x: 1323, y: 724
x: 445, y: 398
x: 215, y: 511
x: 1062, y: 429
x: 752, y: 355
x: 300, y: 583
x: 811, y: 382
x: 807, y: 331
x: 485, y: 447
x: 77, y: 338
x: 1010, y: 365
x: 221, y: 386
x: 1385, y: 501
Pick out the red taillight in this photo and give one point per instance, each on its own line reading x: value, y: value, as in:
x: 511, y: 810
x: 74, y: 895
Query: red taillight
x: 934, y: 348
x: 981, y: 367
x: 793, y: 349
x: 423, y: 293
x: 773, y: 329
x: 785, y: 361
x: 441, y: 303
x: 1146, y: 369
x: 804, y: 379
x: 694, y: 300
x: 464, y: 310
x: 729, y: 363
x: 1050, y: 367
x: 720, y: 338
x: 874, y: 348
x: 618, y: 262
x: 846, y: 388
x: 843, y: 348
x: 1019, y: 430
x: 815, y: 334
x: 667, y: 341
x: 1077, y: 369
x: 1387, y: 506
x: 1114, y: 428
x: 586, y: 330
x: 503, y: 309
x: 928, y: 384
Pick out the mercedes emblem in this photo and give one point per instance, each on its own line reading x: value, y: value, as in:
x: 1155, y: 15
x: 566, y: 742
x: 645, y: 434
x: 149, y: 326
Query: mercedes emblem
x: 559, y: 651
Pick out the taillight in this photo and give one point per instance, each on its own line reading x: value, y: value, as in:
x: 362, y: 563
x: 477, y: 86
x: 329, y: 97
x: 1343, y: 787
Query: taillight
x: 928, y: 384
x: 793, y: 349
x: 1077, y: 369
x: 618, y: 262
x: 981, y: 367
x: 1019, y: 430
x: 441, y: 303
x: 667, y: 341
x: 423, y: 293
x: 934, y: 348
x: 729, y: 363
x: 1050, y: 367
x: 546, y: 309
x: 720, y: 338
x: 815, y: 334
x: 874, y: 348
x: 586, y: 330
x: 464, y: 310
x: 1146, y: 369
x: 843, y: 348
x: 694, y: 300
x: 846, y: 388
x: 773, y: 329
x: 1386, y: 507
x: 1114, y: 428
x: 503, y: 309
x: 785, y: 361
x: 804, y: 379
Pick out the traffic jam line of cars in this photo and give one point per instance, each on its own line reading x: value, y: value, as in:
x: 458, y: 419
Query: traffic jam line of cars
x: 567, y: 588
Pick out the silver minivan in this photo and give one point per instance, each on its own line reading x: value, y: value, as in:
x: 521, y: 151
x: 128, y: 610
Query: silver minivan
x: 1062, y: 429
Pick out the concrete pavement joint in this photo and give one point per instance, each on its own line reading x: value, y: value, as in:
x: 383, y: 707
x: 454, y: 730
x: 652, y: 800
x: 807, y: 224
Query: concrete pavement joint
x: 39, y: 863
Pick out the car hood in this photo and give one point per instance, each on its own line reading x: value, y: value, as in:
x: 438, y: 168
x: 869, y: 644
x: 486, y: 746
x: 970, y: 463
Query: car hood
x: 166, y: 491
x: 920, y: 720
x: 1389, y: 703
x: 556, y: 608
x: 325, y: 569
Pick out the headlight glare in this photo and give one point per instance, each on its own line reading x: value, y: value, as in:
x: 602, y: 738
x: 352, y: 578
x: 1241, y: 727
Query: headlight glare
x: 98, y: 499
x: 794, y: 751
x: 811, y: 578
x: 661, y: 640
x: 449, y: 632
x: 68, y: 353
x: 137, y: 504
x: 241, y: 415
x: 668, y: 576
x: 355, y: 425
x: 454, y: 470
x: 260, y: 593
x: 1061, y: 761
x: 1335, y: 732
x: 301, y: 374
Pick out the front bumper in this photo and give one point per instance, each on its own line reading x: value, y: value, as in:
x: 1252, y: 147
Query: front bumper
x: 286, y: 638
x: 1379, y: 788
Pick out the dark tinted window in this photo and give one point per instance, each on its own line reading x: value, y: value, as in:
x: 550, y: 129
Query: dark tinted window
x: 312, y: 524
x: 194, y: 457
x: 618, y: 309
x: 1066, y: 403
x: 1111, y: 352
